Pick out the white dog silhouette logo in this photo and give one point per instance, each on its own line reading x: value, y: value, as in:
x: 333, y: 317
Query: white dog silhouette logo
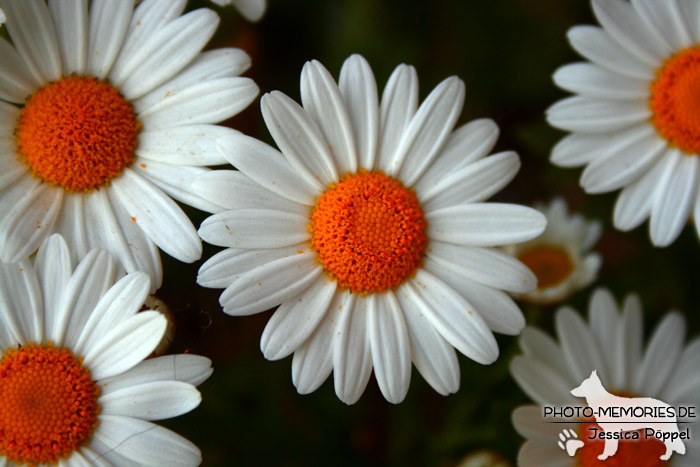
x: 608, y: 408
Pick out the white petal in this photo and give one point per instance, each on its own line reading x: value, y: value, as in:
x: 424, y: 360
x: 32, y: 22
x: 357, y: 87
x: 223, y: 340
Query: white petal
x: 8, y: 117
x: 219, y: 63
x: 352, y: 355
x: 296, y: 319
x: 683, y: 383
x: 34, y: 34
x: 188, y: 368
x: 595, y: 44
x: 10, y: 170
x: 109, y: 22
x: 123, y: 300
x: 674, y: 201
x: 223, y: 268
x: 16, y: 81
x: 628, y: 350
x: 147, y: 19
x: 144, y: 443
x: 254, y: 228
x: 359, y: 89
x: 164, y: 53
x: 54, y: 268
x: 206, y: 102
x: 540, y: 382
x: 485, y: 224
x: 398, y: 106
x: 426, y: 134
x: 268, y: 167
x: 666, y: 21
x: 324, y: 103
x: 487, y: 266
x: 175, y: 181
x: 185, y: 145
x: 579, y: 149
x: 602, y: 312
x: 574, y: 335
x: 435, y: 359
x: 691, y: 11
x: 453, y: 317
x: 126, y: 344
x: 537, y: 345
x: 71, y: 20
x: 589, y: 115
x: 391, y: 347
x: 232, y: 189
x: 300, y: 139
x: 474, y: 183
x: 528, y: 421
x: 252, y: 10
x: 90, y: 281
x: 151, y: 401
x: 270, y: 285
x: 633, y: 205
x: 313, y: 360
x: 629, y: 155
x: 158, y: 216
x: 21, y: 302
x: 622, y: 22
x: 533, y: 454
x: 29, y: 222
x: 597, y: 82
x: 661, y: 356
x: 71, y: 225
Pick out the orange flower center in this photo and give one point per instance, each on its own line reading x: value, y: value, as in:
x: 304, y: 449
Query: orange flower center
x: 369, y: 232
x: 637, y: 452
x: 675, y: 100
x: 550, y: 264
x: 77, y: 133
x: 48, y: 404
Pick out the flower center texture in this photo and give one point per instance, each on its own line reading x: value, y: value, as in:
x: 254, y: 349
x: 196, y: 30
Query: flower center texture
x: 675, y: 100
x: 550, y: 264
x: 77, y: 133
x: 637, y: 452
x: 369, y: 232
x: 48, y: 404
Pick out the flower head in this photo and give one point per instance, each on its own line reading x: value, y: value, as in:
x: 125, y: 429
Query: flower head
x: 612, y: 344
x: 74, y: 381
x: 635, y: 117
x: 370, y: 231
x: 560, y: 257
x: 107, y: 113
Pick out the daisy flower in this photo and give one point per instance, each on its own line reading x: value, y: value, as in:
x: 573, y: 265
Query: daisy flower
x: 74, y: 384
x: 611, y: 343
x: 635, y: 120
x: 560, y: 257
x: 252, y: 10
x: 108, y: 115
x: 370, y: 232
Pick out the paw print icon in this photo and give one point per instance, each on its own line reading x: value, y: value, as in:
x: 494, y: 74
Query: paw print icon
x: 569, y: 442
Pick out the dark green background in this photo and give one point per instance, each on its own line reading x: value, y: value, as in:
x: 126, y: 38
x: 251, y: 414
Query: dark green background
x: 506, y: 52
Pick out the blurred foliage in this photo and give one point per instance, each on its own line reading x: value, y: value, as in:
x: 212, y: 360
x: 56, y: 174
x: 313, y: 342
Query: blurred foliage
x: 505, y: 51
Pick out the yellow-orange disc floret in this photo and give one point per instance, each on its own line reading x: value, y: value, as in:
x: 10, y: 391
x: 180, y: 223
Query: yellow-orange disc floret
x: 48, y: 404
x: 675, y: 100
x: 77, y: 133
x: 369, y: 232
x: 551, y: 265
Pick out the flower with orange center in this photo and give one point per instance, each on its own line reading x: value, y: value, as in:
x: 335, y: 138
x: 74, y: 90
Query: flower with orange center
x: 102, y: 127
x: 635, y: 117
x: 369, y: 232
x: 560, y: 258
x: 75, y: 385
x: 611, y: 342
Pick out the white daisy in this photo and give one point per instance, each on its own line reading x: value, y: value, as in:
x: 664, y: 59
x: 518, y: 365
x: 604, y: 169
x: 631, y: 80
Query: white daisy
x: 252, y: 10
x: 369, y: 229
x: 75, y: 387
x: 559, y: 257
x: 110, y: 115
x: 611, y: 343
x: 635, y: 120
